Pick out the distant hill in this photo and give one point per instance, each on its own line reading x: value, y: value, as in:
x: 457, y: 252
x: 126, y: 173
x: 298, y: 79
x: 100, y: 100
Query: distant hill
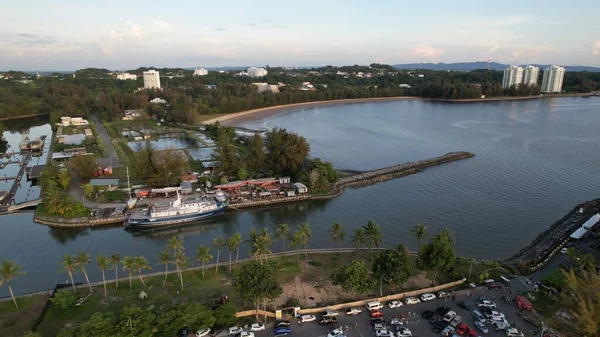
x: 468, y: 66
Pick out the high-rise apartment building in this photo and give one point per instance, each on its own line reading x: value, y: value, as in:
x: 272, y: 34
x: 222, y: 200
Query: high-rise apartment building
x: 513, y: 75
x: 552, y: 80
x: 200, y: 72
x: 256, y: 72
x: 531, y: 75
x: 151, y: 79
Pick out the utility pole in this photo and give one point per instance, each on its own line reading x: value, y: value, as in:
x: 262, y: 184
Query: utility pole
x: 470, y: 269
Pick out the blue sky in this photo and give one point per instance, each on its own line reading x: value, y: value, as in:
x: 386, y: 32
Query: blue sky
x: 67, y: 35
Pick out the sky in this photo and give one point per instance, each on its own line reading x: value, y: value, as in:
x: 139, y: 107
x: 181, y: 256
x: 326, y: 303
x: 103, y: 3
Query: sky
x: 67, y: 35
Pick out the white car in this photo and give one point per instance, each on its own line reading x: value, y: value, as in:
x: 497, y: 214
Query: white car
x: 247, y: 334
x: 481, y: 327
x: 235, y: 330
x: 396, y: 321
x: 202, y: 333
x: 353, y: 311
x: 329, y: 313
x: 486, y: 304
x: 257, y: 327
x: 412, y: 300
x: 512, y: 332
x: 449, y: 316
x: 380, y: 326
x: 384, y: 333
x: 443, y: 294
x: 564, y: 250
x: 427, y: 297
x: 404, y: 332
x: 336, y: 332
x: 307, y: 318
x: 394, y: 304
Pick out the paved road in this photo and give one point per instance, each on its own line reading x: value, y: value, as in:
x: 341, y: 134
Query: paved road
x: 113, y: 158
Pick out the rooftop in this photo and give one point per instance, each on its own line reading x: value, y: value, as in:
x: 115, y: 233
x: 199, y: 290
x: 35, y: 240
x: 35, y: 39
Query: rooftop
x: 104, y: 182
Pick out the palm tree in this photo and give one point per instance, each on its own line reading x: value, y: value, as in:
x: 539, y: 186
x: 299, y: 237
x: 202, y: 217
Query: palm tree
x: 81, y: 260
x: 374, y: 236
x: 446, y: 234
x: 165, y: 258
x: 141, y: 263
x: 129, y: 265
x: 306, y: 234
x: 8, y: 271
x: 230, y: 243
x: 337, y: 234
x: 237, y: 239
x: 203, y: 256
x: 218, y: 242
x: 296, y: 242
x: 359, y: 239
x: 181, y: 261
x: 283, y: 232
x: 103, y: 263
x: 175, y: 243
x: 69, y: 265
x: 114, y: 264
x: 54, y: 199
x: 420, y: 232
x: 261, y: 246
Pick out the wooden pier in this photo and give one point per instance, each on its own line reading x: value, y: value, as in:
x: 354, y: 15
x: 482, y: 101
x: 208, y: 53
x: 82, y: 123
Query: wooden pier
x: 11, y: 194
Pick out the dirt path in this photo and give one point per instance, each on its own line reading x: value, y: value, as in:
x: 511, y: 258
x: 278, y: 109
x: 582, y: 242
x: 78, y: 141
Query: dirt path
x: 113, y: 158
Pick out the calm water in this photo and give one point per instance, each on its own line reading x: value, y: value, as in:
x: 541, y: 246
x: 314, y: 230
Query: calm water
x: 535, y: 160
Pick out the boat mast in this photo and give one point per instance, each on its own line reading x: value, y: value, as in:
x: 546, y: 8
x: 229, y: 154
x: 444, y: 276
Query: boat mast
x: 128, y: 183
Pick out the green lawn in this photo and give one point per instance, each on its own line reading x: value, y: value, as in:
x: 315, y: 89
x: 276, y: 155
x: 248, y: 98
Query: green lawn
x: 14, y: 321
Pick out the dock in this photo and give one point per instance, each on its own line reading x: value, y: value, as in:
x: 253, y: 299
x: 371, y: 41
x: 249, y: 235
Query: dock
x: 13, y: 190
x: 4, y: 164
x: 33, y: 173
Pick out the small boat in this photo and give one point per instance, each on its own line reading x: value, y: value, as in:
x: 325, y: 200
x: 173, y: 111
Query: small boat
x: 220, y: 196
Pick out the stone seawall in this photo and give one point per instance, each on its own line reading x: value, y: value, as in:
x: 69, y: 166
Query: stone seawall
x: 78, y: 222
x: 363, y: 179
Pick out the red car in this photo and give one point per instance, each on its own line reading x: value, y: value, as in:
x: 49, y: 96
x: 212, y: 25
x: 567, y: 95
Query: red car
x: 462, y: 329
x: 376, y: 313
x: 472, y: 332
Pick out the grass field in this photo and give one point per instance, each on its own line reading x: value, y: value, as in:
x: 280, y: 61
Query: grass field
x: 13, y: 321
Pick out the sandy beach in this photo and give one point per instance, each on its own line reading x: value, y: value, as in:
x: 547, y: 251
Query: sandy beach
x: 234, y: 118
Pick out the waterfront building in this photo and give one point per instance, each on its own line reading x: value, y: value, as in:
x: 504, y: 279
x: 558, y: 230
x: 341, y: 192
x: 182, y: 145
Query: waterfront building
x: 513, y: 75
x: 126, y: 76
x: 552, y: 80
x: 256, y: 72
x: 531, y: 75
x: 151, y: 79
x: 200, y: 72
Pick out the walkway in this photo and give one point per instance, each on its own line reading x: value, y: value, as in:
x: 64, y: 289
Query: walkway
x: 113, y: 158
x: 13, y: 190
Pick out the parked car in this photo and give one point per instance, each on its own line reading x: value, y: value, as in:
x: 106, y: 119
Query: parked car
x: 235, y: 330
x: 449, y: 316
x: 463, y: 305
x: 436, y: 318
x: 427, y: 297
x: 307, y: 318
x: 383, y: 333
x: 282, y: 331
x: 532, y: 320
x: 439, y: 326
x: 376, y: 320
x: 481, y: 326
x: 412, y: 300
x: 257, y: 327
x: 471, y: 332
x: 441, y: 311
x: 564, y: 250
x: 394, y: 304
x: 282, y: 322
x: 426, y: 314
x: 328, y: 320
x: 329, y: 313
x: 512, y: 332
x: 203, y: 333
x: 462, y: 328
x: 478, y: 316
x: 404, y: 332
x: 336, y: 332
x: 396, y: 321
x: 380, y: 326
x: 247, y: 334
x: 443, y: 294
x: 456, y: 321
x: 447, y: 332
x: 184, y: 332
x: 353, y: 311
x: 375, y: 313
x: 486, y: 304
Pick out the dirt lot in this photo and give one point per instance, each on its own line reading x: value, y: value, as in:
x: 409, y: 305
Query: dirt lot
x: 14, y: 321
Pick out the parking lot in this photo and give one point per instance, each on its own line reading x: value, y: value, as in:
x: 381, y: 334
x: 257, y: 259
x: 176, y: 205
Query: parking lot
x: 360, y: 325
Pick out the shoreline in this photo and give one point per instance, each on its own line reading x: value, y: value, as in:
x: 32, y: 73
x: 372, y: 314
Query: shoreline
x: 502, y: 99
x: 24, y: 116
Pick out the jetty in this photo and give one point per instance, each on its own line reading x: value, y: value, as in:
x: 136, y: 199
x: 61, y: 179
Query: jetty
x: 13, y: 190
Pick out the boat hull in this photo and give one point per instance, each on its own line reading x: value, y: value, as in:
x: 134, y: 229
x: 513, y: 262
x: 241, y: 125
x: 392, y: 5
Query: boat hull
x: 169, y: 221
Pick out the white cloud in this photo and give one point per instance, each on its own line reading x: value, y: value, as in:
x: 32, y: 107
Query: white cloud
x: 160, y: 24
x: 510, y: 21
x: 427, y: 51
x: 596, y: 50
x: 493, y: 49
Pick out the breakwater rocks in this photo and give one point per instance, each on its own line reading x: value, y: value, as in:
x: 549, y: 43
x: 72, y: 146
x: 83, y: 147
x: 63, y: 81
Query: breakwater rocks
x: 547, y: 242
x: 363, y: 179
x: 102, y: 218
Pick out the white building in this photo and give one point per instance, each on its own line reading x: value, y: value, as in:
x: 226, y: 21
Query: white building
x: 200, y: 72
x: 262, y: 87
x: 256, y: 72
x: 151, y: 79
x: 513, y: 75
x: 158, y: 100
x: 75, y: 121
x: 552, y: 80
x: 126, y: 76
x: 531, y: 75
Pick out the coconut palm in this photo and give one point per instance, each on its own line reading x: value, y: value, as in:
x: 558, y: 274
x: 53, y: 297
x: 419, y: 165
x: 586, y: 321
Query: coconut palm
x: 283, y: 232
x: 420, y: 232
x: 261, y: 246
x: 237, y: 239
x: 176, y: 244
x: 8, y: 271
x: 69, y: 265
x: 296, y: 242
x: 230, y: 243
x: 181, y: 261
x: 103, y: 264
x: 337, y: 234
x: 81, y: 260
x: 165, y: 258
x: 359, y: 239
x: 129, y: 266
x: 446, y: 234
x: 218, y: 242
x: 306, y: 234
x: 54, y: 199
x: 203, y: 256
x: 114, y: 262
x: 141, y: 263
x: 374, y: 236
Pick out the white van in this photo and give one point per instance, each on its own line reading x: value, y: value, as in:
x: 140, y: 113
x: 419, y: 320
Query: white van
x: 375, y: 305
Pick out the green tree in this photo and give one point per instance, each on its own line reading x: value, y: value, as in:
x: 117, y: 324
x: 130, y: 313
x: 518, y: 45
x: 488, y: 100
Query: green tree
x: 64, y: 179
x: 237, y: 241
x: 306, y: 234
x: 420, y: 232
x: 203, y: 256
x: 69, y: 264
x: 353, y: 278
x: 114, y: 262
x: 256, y: 282
x: 226, y: 153
x: 374, y: 236
x: 55, y: 201
x: 282, y: 232
x: 261, y: 245
x: 581, y: 299
x: 218, y: 242
x: 99, y: 324
x: 165, y: 258
x: 256, y: 157
x: 446, y: 234
x: 129, y: 266
x: 88, y: 190
x: 231, y: 247
x: 438, y: 255
x: 176, y: 244
x: 103, y: 264
x: 63, y: 300
x: 392, y: 266
x: 141, y: 263
x: 135, y: 321
x: 10, y: 270
x: 83, y: 166
x: 296, y: 242
x: 225, y: 315
x: 242, y: 174
x: 359, y: 239
x: 285, y: 150
x: 81, y: 260
x: 337, y: 234
x: 181, y: 261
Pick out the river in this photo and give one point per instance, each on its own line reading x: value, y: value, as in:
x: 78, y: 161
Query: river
x: 535, y: 160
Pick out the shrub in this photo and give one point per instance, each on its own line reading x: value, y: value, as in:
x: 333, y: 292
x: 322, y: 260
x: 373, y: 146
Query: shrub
x: 64, y: 300
x: 292, y: 302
